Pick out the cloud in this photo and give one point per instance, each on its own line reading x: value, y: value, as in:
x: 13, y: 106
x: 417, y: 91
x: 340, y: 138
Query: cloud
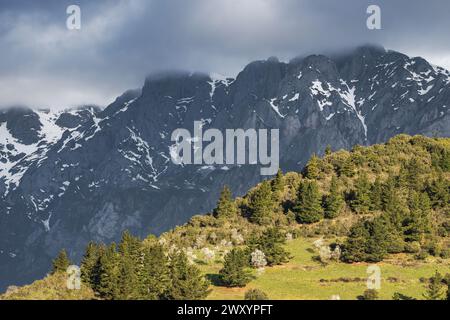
x: 43, y: 64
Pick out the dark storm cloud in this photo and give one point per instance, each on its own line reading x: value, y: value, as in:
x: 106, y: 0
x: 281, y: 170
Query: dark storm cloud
x: 120, y: 42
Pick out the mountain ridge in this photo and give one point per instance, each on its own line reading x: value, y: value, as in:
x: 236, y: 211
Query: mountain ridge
x: 110, y: 169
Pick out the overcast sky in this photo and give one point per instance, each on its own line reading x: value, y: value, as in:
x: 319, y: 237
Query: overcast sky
x: 43, y: 64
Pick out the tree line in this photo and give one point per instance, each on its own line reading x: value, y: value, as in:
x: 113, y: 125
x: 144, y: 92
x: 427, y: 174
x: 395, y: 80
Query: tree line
x: 138, y: 270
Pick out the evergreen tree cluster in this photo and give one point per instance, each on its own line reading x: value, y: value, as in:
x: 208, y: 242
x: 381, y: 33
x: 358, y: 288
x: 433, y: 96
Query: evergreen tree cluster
x: 404, y: 224
x: 141, y: 271
x: 271, y: 242
x: 236, y: 266
x: 396, y: 188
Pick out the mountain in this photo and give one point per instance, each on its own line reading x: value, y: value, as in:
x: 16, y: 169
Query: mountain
x: 304, y: 234
x: 70, y: 177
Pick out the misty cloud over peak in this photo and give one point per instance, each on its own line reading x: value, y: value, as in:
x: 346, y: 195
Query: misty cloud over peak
x: 43, y: 64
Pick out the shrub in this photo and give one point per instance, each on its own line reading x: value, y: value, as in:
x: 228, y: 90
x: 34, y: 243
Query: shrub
x: 325, y: 254
x: 400, y: 296
x: 422, y: 255
x: 236, y: 237
x: 258, y: 259
x: 412, y: 247
x: 445, y: 253
x: 208, y: 254
x: 369, y: 294
x: 256, y: 294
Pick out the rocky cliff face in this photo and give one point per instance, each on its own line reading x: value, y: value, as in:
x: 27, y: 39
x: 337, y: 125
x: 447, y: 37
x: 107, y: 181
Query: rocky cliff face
x: 88, y: 174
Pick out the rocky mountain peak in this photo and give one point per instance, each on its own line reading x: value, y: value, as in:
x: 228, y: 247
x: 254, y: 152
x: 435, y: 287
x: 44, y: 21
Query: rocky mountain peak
x: 77, y: 175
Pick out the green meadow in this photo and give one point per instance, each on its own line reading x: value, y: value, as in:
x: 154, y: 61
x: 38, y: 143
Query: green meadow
x: 305, y: 278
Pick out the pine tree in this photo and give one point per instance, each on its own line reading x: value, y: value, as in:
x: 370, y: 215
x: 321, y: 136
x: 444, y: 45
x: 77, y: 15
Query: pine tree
x: 390, y: 193
x: 89, y: 265
x: 402, y: 178
x: 334, y: 202
x: 278, y: 185
x: 394, y: 208
x: 354, y: 249
x: 127, y: 280
x: 412, y: 170
x: 389, y: 186
x: 425, y: 204
x: 396, y: 216
x: 129, y: 267
x: 61, y: 262
x: 348, y: 168
x: 235, y: 271
x: 129, y: 245
x: 376, y: 195
x: 328, y: 150
x: 271, y: 243
x: 154, y: 274
x: 393, y: 216
x: 186, y: 281
x: 309, y: 204
x: 375, y: 246
x: 108, y: 273
x: 438, y: 191
x: 313, y: 167
x: 385, y: 238
x: 226, y: 207
x: 444, y: 162
x: 417, y: 224
x: 412, y: 223
x: 361, y: 196
x: 434, y: 288
x: 261, y: 204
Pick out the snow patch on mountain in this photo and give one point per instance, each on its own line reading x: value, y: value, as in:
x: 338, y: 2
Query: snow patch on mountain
x: 50, y: 132
x: 275, y: 107
x: 324, y: 92
x: 349, y: 99
x: 216, y: 80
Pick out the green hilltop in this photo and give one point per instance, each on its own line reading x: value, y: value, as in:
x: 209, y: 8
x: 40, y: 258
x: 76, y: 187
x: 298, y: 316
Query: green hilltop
x: 300, y: 235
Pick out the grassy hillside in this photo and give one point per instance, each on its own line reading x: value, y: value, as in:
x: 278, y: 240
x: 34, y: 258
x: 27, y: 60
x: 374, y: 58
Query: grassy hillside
x: 53, y: 287
x: 301, y: 278
x: 305, y: 278
x: 386, y: 205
